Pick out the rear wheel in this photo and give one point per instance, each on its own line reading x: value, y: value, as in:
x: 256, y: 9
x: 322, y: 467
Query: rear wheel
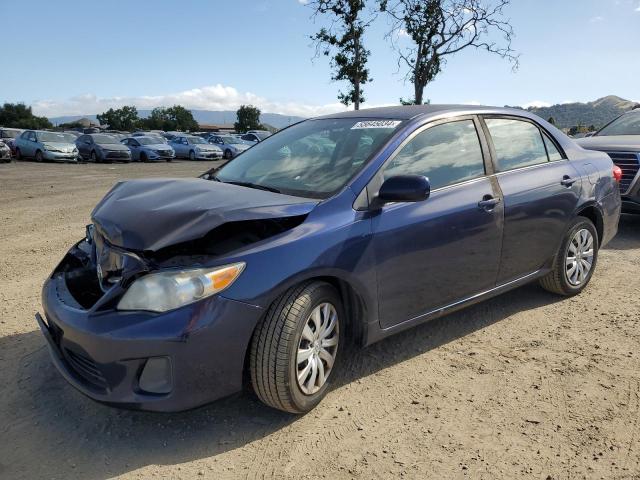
x: 18, y: 154
x: 576, y: 260
x: 295, y: 347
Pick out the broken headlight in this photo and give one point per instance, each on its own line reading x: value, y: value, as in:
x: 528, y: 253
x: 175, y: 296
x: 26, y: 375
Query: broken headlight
x: 163, y: 291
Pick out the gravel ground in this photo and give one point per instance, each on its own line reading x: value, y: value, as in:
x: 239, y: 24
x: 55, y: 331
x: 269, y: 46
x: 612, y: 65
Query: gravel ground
x: 527, y: 385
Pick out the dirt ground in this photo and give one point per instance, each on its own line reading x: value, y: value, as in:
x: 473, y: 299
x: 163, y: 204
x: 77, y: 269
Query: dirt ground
x: 527, y: 385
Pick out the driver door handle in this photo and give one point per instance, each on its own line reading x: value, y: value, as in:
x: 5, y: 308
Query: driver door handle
x: 488, y: 203
x: 567, y: 181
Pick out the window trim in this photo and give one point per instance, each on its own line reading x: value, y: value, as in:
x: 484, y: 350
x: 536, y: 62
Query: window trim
x: 376, y: 181
x: 541, y: 132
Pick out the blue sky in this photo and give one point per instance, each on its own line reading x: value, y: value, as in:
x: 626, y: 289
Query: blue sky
x: 79, y: 57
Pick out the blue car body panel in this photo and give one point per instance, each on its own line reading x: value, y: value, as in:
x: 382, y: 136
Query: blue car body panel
x: 395, y: 267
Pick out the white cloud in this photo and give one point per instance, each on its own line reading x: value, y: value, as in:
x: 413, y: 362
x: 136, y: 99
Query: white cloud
x: 596, y: 19
x: 536, y: 104
x: 212, y: 97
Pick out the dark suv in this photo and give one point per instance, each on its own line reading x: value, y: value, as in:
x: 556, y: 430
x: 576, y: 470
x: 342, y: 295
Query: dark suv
x: 621, y: 140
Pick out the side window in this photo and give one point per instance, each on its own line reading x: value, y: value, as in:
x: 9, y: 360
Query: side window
x: 517, y: 143
x: 446, y: 154
x: 552, y: 150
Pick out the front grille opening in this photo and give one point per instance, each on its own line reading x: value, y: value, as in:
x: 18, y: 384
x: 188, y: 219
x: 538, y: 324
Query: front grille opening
x: 86, y: 369
x: 629, y: 163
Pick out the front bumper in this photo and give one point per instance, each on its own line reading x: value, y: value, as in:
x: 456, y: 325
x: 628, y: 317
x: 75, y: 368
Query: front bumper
x: 60, y: 156
x: 208, y: 155
x: 104, y: 353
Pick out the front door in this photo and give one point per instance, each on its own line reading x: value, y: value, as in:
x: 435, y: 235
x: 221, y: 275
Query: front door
x: 436, y: 252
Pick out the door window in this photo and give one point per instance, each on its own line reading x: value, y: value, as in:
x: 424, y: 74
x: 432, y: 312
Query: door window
x: 446, y: 154
x: 552, y: 150
x: 517, y: 143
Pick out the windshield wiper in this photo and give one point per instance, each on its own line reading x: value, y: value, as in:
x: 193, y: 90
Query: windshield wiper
x: 251, y: 185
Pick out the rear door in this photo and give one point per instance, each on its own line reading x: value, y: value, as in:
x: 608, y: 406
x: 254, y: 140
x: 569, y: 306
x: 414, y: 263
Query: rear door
x: 433, y: 253
x: 541, y: 190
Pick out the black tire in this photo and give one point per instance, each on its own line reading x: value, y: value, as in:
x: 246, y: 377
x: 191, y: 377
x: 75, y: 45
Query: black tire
x: 143, y: 157
x: 38, y: 156
x: 192, y: 155
x: 557, y: 281
x: 94, y: 157
x: 274, y: 347
x: 228, y: 155
x: 18, y: 154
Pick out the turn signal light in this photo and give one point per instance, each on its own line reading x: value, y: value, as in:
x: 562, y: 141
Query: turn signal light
x: 617, y: 173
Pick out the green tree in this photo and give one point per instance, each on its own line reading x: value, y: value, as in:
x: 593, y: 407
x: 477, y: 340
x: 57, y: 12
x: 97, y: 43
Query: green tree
x: 552, y: 121
x: 438, y: 29
x: 171, y: 118
x: 18, y: 115
x: 125, y: 118
x: 248, y: 118
x: 343, y: 40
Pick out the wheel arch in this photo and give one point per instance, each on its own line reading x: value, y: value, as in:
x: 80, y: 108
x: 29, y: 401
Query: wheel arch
x: 593, y: 213
x: 352, y: 301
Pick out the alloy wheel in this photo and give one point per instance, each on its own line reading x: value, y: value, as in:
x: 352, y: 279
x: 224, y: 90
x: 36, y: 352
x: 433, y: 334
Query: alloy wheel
x: 317, y: 348
x: 579, y: 260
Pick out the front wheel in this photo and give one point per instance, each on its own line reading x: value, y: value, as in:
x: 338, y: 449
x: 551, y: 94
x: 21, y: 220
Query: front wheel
x: 228, y: 155
x: 295, y: 347
x: 94, y: 157
x: 192, y: 155
x: 38, y: 156
x: 576, y: 260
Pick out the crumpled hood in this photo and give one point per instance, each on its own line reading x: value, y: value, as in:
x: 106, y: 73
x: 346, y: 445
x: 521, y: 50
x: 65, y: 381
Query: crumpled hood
x: 614, y: 143
x: 147, y: 215
x: 66, y: 147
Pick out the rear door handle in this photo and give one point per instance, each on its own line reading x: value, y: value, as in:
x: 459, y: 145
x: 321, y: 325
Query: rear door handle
x: 488, y: 202
x: 567, y: 181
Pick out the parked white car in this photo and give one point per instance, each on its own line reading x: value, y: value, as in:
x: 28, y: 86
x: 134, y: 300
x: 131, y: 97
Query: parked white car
x: 194, y: 148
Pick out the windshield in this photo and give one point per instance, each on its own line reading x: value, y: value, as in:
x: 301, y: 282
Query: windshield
x: 10, y: 133
x: 196, y: 140
x: 104, y: 139
x: 312, y: 159
x: 628, y: 124
x: 149, y: 140
x: 261, y: 135
x: 53, y: 137
x: 232, y: 140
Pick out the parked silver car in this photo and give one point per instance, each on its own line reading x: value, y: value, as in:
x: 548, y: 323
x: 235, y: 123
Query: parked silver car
x: 41, y: 145
x: 195, y: 148
x: 149, y: 149
x: 5, y: 153
x: 100, y: 147
x: 230, y: 146
x: 255, y: 136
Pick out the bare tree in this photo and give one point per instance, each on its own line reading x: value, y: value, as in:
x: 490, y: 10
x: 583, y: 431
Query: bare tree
x: 441, y: 28
x: 343, y: 40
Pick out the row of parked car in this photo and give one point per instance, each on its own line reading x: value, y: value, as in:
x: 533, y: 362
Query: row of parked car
x: 73, y: 146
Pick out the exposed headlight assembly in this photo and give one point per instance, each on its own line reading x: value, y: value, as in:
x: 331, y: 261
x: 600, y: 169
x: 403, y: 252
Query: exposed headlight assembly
x: 164, y: 291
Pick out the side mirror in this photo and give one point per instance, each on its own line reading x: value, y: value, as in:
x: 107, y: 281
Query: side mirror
x: 403, y: 188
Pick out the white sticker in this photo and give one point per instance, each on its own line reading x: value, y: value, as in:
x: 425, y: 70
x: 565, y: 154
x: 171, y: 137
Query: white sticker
x: 376, y: 124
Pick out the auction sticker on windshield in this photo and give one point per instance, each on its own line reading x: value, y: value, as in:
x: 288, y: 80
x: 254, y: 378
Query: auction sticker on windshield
x: 376, y: 124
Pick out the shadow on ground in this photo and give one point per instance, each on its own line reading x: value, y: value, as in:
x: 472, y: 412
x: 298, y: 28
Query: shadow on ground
x: 50, y: 430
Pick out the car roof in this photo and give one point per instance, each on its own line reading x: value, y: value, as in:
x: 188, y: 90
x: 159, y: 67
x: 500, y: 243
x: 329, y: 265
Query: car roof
x: 407, y: 112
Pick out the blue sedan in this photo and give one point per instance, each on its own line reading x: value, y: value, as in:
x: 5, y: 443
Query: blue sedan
x: 352, y: 226
x: 148, y: 149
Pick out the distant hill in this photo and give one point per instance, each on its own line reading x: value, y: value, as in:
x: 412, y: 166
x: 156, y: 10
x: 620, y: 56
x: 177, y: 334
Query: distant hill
x: 202, y: 116
x: 598, y: 112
